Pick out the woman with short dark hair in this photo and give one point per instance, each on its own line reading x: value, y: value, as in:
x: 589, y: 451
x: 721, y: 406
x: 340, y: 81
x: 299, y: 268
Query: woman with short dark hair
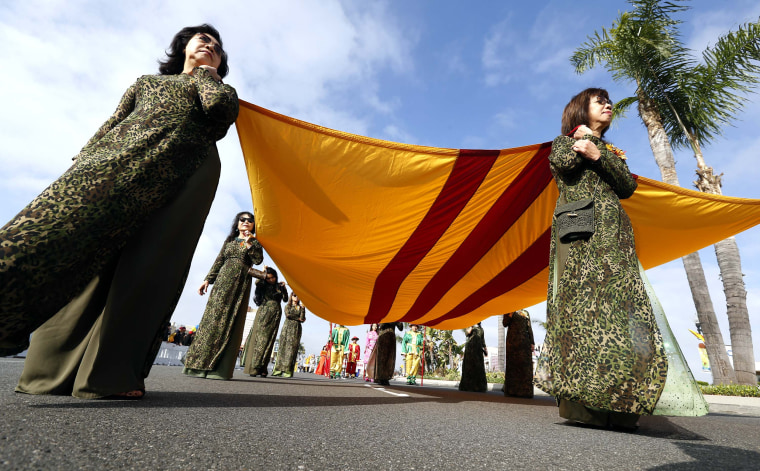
x: 106, y: 248
x: 603, y: 357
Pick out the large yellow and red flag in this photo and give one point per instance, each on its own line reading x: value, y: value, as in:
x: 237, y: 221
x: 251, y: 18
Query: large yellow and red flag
x: 367, y: 230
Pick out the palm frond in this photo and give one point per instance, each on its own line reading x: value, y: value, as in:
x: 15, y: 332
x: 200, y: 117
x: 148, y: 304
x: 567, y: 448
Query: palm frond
x: 621, y: 107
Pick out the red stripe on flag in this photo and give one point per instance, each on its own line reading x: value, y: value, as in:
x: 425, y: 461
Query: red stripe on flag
x: 470, y: 169
x: 526, y: 266
x: 507, y: 209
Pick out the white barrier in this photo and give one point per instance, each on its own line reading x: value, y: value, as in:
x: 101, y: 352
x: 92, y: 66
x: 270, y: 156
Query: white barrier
x: 170, y: 354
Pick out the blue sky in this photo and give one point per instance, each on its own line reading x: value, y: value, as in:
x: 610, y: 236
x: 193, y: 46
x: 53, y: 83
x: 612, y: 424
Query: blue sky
x: 443, y: 73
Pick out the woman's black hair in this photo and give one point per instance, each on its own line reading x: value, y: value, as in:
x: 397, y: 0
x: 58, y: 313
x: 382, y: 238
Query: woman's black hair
x: 234, y: 232
x: 175, y: 56
x: 258, y: 295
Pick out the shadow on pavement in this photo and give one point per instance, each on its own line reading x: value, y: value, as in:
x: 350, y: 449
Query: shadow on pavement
x: 649, y: 426
x: 181, y: 399
x: 174, y: 399
x: 713, y: 457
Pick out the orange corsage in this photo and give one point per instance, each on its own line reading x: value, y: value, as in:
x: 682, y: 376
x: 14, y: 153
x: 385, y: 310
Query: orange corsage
x: 617, y: 151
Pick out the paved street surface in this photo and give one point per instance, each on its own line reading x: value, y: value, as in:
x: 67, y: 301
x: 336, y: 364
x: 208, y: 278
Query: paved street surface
x: 313, y: 423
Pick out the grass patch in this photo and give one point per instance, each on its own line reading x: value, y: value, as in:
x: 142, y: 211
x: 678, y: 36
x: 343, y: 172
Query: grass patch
x: 495, y: 377
x: 732, y: 390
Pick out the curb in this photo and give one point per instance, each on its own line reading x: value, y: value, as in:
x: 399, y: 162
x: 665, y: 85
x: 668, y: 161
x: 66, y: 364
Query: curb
x: 747, y: 405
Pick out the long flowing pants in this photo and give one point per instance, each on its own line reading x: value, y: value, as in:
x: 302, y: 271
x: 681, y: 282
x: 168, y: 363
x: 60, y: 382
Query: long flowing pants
x: 336, y: 359
x: 412, y: 364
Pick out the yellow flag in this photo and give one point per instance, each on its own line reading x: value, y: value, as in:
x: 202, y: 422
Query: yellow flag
x: 367, y: 230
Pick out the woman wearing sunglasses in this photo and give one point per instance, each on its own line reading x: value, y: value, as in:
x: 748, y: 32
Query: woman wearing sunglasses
x: 215, y: 349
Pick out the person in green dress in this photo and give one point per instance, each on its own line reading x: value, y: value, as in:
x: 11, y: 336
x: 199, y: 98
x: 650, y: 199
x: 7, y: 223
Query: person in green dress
x: 214, y: 351
x: 268, y: 296
x: 290, y: 337
x: 97, y: 261
x: 411, y: 348
x: 603, y: 358
x: 518, y: 355
x: 340, y: 340
x: 473, y: 366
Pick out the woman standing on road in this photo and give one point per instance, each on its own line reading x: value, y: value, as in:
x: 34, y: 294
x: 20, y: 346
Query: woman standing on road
x: 214, y: 352
x: 258, y: 349
x: 518, y: 363
x: 322, y: 368
x: 106, y: 248
x: 603, y: 357
x: 369, y: 346
x: 381, y: 364
x: 473, y: 366
x: 290, y: 337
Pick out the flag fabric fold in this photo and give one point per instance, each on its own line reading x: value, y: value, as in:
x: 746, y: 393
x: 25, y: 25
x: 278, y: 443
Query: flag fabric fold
x: 367, y: 230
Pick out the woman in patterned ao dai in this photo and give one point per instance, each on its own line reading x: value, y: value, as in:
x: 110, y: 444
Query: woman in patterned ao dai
x: 603, y: 357
x: 106, y: 248
x: 214, y: 351
x: 268, y: 296
x: 290, y: 337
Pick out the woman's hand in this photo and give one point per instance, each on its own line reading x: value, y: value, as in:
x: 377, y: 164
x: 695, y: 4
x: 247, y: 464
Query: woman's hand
x: 582, y: 130
x: 247, y: 238
x: 204, y: 287
x: 212, y: 71
x: 587, y: 150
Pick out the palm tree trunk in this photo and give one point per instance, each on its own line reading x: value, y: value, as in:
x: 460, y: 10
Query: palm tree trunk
x: 729, y: 261
x: 502, y: 345
x: 720, y: 366
x: 658, y: 140
x: 730, y: 264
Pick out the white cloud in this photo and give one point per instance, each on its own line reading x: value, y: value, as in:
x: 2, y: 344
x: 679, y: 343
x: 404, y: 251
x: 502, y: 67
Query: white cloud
x: 394, y: 133
x: 451, y: 56
x: 708, y: 23
x: 318, y: 61
x: 498, y: 53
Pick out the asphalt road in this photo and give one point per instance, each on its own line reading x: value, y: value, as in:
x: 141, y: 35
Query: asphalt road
x: 308, y: 423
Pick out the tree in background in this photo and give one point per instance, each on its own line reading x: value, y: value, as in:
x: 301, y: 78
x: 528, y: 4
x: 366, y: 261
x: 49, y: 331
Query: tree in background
x: 685, y: 102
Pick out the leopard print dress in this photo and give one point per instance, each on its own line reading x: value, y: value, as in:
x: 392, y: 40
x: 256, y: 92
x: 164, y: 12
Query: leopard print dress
x: 158, y: 137
x: 227, y: 304
x: 603, y: 348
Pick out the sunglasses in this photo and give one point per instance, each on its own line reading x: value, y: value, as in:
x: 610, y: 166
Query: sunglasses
x: 245, y: 219
x: 207, y: 39
x: 604, y: 101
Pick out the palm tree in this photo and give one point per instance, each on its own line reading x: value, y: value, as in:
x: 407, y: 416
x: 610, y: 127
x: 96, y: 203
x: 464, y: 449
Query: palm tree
x: 429, y: 348
x: 683, y: 102
x: 448, y: 349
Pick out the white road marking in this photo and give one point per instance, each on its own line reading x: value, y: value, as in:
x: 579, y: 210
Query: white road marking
x: 387, y: 392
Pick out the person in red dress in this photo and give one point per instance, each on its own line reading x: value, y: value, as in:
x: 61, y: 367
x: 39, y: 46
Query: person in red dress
x: 354, y: 352
x: 322, y: 365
